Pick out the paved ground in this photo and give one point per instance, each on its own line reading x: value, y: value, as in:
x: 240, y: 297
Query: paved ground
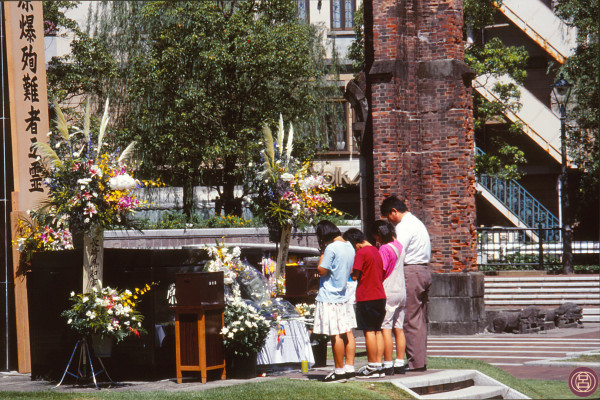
x: 523, y: 356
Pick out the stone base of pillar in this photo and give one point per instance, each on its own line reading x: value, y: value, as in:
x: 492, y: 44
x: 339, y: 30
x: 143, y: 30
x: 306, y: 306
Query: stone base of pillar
x: 456, y: 305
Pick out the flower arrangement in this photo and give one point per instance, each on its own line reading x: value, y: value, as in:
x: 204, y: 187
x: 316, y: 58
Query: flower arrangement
x: 245, y: 330
x: 226, y: 259
x: 87, y: 187
x: 35, y: 235
x: 290, y: 193
x: 107, y: 312
x: 276, y: 286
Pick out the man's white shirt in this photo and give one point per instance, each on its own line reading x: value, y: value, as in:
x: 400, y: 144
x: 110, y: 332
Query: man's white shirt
x: 413, y: 235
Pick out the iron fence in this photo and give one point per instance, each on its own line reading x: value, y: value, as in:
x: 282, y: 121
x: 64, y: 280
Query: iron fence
x: 529, y: 249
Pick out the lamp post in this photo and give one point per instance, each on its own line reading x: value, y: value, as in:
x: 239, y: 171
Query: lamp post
x: 561, y: 90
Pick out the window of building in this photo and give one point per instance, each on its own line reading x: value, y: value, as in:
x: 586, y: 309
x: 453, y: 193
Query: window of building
x: 303, y: 10
x: 342, y: 14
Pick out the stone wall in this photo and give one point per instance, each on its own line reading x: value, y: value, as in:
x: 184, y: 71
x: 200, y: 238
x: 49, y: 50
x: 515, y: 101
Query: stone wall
x: 421, y: 103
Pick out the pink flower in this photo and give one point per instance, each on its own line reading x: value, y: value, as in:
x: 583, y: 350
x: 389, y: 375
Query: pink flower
x: 90, y: 209
x: 95, y: 171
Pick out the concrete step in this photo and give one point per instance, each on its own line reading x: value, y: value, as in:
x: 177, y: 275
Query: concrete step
x: 559, y: 289
x: 544, y: 291
x: 456, y: 384
x: 548, y: 278
x: 538, y: 295
x: 473, y: 392
x: 538, y: 302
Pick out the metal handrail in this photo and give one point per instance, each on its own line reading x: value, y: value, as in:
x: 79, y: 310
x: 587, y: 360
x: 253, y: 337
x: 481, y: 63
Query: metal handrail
x: 518, y: 200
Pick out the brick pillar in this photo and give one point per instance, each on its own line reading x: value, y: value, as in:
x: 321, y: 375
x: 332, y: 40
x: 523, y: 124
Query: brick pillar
x: 422, y: 125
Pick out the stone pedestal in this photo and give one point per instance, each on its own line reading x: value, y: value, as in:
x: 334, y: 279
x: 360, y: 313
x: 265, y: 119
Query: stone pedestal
x: 456, y: 304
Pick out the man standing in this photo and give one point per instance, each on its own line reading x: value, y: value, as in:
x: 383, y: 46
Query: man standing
x: 413, y: 236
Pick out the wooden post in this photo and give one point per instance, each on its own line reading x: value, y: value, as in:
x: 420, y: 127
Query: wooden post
x: 93, y: 259
x: 29, y: 123
x: 284, y: 247
x: 21, y: 304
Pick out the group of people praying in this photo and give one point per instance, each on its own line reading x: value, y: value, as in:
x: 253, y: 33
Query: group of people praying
x: 381, y: 290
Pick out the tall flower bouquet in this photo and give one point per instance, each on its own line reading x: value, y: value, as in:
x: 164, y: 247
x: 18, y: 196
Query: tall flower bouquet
x: 290, y: 193
x: 89, y: 190
x: 291, y: 196
x: 87, y: 185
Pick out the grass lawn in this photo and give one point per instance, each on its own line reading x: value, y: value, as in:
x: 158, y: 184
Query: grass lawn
x: 276, y: 389
x: 586, y: 358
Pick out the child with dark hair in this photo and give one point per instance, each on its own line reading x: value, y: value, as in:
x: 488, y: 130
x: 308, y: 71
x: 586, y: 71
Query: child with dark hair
x: 395, y: 290
x: 370, y: 300
x: 333, y: 316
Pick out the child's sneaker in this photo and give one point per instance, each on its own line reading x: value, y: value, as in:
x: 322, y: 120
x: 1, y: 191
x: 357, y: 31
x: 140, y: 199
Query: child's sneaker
x: 387, y: 372
x: 350, y: 375
x: 333, y: 377
x: 369, y: 372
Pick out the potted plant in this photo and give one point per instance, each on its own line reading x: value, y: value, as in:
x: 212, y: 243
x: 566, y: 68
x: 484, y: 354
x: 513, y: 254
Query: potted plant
x: 244, y: 335
x: 106, y: 315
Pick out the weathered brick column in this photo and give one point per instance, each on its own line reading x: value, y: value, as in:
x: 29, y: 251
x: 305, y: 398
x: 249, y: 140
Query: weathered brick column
x: 422, y: 127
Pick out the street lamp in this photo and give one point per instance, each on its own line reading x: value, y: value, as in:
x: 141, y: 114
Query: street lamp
x: 561, y: 90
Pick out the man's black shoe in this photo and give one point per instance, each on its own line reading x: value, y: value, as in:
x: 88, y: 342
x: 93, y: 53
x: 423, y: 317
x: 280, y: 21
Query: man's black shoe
x: 400, y: 370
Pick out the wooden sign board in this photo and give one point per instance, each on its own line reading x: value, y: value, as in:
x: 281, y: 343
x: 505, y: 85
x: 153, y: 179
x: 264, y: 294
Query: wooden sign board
x: 28, y: 93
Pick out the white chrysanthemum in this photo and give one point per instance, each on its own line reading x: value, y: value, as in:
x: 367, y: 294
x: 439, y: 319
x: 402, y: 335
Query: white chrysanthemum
x: 122, y: 182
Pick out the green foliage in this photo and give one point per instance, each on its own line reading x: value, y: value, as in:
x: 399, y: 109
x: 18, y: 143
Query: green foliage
x: 581, y: 69
x: 201, y: 80
x: 55, y: 18
x: 178, y: 220
x: 356, y: 51
x: 496, y: 59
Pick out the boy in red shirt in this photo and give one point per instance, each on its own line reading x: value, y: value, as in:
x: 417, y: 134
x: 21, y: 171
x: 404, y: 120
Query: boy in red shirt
x: 370, y: 300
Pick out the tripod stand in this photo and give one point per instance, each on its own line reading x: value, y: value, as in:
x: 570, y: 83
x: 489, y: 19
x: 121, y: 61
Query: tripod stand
x: 85, y: 359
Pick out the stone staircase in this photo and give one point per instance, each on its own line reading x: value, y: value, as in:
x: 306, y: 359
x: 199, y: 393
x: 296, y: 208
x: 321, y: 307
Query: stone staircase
x: 506, y: 292
x: 456, y: 384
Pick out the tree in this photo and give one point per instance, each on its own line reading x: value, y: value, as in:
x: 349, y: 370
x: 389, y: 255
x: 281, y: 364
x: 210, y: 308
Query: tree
x: 583, y: 70
x: 201, y: 78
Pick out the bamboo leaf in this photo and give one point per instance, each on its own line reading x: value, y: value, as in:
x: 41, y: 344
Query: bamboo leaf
x: 290, y: 144
x: 127, y: 153
x: 103, y: 126
x: 86, y: 121
x: 269, y: 150
x: 61, y: 122
x: 280, y: 134
x: 49, y: 156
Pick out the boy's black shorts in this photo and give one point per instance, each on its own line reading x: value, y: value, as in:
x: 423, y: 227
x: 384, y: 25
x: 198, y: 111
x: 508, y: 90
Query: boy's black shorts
x: 370, y: 314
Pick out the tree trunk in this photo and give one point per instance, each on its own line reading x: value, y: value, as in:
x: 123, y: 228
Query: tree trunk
x: 93, y: 259
x: 231, y: 204
x: 189, y: 205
